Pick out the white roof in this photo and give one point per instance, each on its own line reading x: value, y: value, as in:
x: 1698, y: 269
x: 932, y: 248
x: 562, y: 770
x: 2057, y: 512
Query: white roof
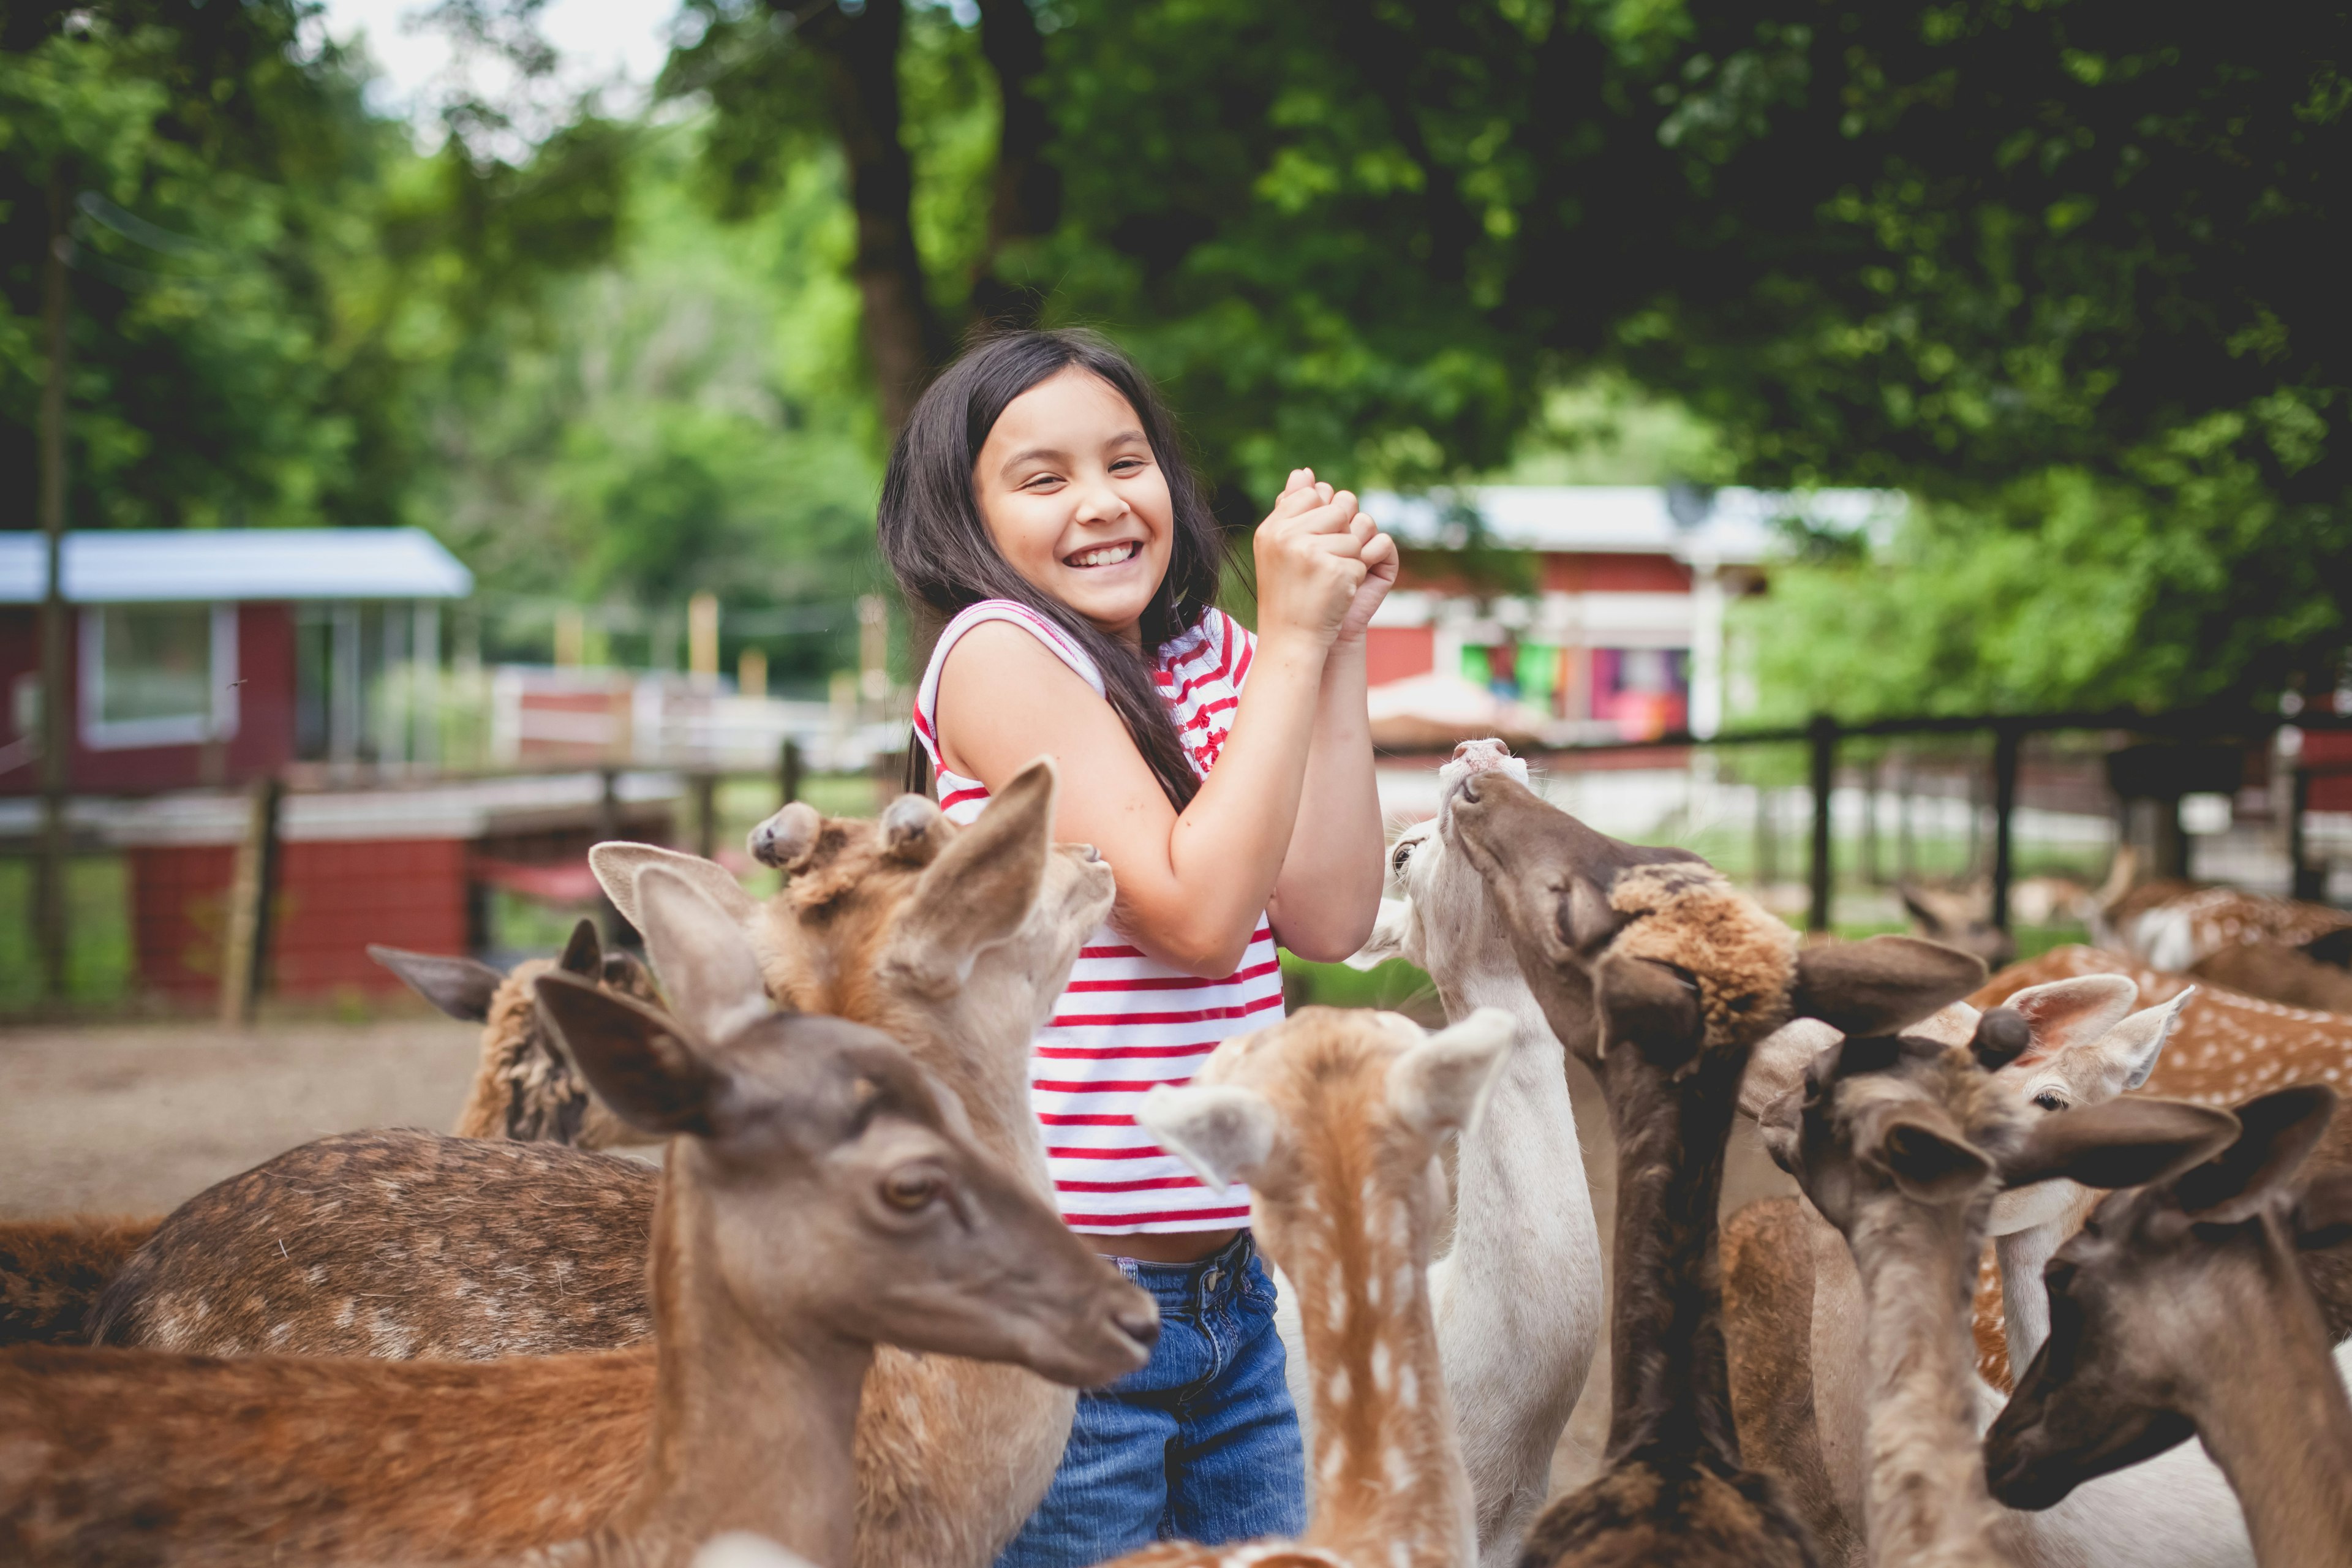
x: 1732, y: 526
x: 202, y: 565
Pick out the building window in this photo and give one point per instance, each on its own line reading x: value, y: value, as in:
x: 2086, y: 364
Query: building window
x: 158, y: 675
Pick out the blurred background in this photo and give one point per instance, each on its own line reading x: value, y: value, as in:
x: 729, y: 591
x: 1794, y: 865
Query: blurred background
x: 1887, y: 447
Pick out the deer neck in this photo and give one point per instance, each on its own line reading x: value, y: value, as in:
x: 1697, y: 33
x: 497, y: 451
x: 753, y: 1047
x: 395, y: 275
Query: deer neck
x: 1522, y: 1213
x: 1926, y: 1497
x: 751, y: 1430
x: 2271, y: 1410
x: 1389, y: 1479
x: 1670, y: 1387
x: 2024, y: 1302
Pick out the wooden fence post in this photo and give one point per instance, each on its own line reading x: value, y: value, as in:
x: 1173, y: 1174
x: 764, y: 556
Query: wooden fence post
x: 244, y: 943
x: 2007, y: 741
x: 1824, y: 740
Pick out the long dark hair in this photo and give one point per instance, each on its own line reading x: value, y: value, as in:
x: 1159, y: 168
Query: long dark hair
x: 939, y: 549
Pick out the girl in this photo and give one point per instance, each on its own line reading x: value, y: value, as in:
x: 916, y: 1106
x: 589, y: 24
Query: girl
x: 1037, y: 502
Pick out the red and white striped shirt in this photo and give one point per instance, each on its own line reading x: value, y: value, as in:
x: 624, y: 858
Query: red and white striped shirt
x: 1126, y: 1021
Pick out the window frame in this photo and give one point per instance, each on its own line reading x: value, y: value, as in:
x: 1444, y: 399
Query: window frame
x: 99, y: 733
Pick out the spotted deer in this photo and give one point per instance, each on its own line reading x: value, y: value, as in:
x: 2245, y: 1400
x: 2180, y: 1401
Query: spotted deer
x: 2181, y: 1308
x: 1518, y: 1295
x: 821, y: 1193
x: 52, y: 1273
x: 1902, y: 1143
x: 1663, y: 977
x: 956, y: 940
x: 2171, y: 924
x: 1334, y: 1118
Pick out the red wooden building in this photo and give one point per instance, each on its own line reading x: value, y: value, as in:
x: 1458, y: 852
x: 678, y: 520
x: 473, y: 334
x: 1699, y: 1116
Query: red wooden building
x: 202, y: 659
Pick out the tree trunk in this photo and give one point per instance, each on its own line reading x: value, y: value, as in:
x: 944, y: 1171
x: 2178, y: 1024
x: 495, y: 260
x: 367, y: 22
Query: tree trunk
x: 49, y: 874
x: 1028, y: 197
x: 903, y: 338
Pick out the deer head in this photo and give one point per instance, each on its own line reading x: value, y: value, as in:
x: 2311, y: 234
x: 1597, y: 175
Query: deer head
x: 1566, y: 893
x: 833, y: 1185
x: 1435, y: 911
x: 1912, y: 1120
x: 955, y: 939
x: 2156, y: 1282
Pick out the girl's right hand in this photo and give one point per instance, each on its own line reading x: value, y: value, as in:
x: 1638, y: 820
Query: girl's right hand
x: 1309, y: 562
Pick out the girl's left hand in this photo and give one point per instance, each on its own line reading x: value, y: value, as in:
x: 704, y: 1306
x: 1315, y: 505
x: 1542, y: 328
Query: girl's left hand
x: 1377, y: 551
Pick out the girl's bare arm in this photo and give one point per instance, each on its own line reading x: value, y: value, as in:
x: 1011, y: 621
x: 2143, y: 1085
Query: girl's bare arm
x: 1190, y: 888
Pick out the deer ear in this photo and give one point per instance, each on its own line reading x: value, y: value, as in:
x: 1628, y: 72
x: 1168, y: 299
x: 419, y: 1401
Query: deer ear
x: 1647, y: 1005
x: 1883, y: 983
x: 1586, y: 920
x: 2279, y: 1130
x: 2323, y: 1216
x: 1917, y: 909
x: 619, y: 864
x: 913, y: 829
x: 787, y: 839
x: 461, y: 988
x: 1778, y: 1063
x: 2120, y: 1143
x: 584, y: 953
x: 2064, y: 1013
x: 638, y: 1062
x: 1224, y: 1132
x: 1444, y: 1083
x: 701, y: 956
x: 1929, y: 1163
x: 1392, y: 936
x: 2130, y: 1050
x: 981, y: 886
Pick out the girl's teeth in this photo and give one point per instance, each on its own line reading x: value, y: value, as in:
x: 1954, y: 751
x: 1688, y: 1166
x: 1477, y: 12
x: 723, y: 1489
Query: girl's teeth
x: 1107, y: 555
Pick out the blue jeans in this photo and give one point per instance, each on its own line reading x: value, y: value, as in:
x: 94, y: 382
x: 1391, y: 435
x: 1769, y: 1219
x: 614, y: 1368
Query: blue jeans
x: 1202, y: 1444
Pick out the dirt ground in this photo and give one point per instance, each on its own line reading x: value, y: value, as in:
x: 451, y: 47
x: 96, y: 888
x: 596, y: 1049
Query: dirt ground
x: 134, y: 1119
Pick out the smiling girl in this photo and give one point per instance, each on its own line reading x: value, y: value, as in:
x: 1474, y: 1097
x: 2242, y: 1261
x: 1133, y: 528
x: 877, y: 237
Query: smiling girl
x: 1038, y: 504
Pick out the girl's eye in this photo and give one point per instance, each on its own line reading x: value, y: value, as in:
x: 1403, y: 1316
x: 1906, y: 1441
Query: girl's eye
x: 2050, y: 1099
x: 1127, y: 465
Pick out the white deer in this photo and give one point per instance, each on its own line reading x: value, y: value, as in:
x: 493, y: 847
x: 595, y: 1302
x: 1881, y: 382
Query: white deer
x: 1517, y: 1298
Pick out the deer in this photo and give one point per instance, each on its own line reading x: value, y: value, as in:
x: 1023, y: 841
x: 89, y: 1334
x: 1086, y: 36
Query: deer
x: 821, y: 1193
x: 1663, y: 977
x: 1334, y: 1117
x: 956, y: 940
x: 1517, y: 1297
x: 53, y: 1271
x: 1902, y: 1143
x: 2226, y: 1045
x: 523, y: 1088
x: 2172, y: 923
x: 2180, y: 1308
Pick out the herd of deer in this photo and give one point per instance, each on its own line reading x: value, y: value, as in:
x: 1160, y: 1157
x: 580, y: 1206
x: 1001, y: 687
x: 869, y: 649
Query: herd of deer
x: 841, y: 1321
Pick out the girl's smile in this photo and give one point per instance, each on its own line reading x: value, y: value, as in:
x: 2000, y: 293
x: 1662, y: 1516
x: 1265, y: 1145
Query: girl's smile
x: 1075, y: 499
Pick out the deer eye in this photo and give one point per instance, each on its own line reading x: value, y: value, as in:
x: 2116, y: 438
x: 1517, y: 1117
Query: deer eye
x: 907, y: 1190
x: 2050, y: 1099
x: 1404, y: 853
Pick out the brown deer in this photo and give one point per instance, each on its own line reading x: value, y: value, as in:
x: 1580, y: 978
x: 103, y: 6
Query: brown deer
x: 1901, y: 1142
x: 2225, y: 1047
x: 52, y: 1273
x: 1334, y: 1118
x: 2179, y: 1309
x: 1661, y: 976
x: 955, y: 939
x: 523, y: 1088
x: 821, y: 1193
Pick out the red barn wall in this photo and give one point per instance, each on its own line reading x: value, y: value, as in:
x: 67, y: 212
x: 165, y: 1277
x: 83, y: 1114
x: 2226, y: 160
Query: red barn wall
x: 264, y: 741
x: 335, y: 896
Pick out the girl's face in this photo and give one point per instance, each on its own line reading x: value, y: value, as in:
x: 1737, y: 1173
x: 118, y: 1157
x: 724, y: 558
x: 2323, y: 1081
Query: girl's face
x: 1075, y: 500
